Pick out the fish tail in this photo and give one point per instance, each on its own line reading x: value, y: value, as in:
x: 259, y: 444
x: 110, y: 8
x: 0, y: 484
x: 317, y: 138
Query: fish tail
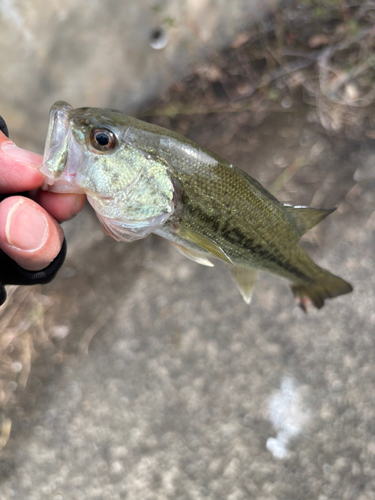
x: 326, y: 286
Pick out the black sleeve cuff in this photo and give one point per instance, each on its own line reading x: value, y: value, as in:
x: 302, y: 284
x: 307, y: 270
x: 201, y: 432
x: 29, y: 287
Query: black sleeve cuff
x: 13, y: 274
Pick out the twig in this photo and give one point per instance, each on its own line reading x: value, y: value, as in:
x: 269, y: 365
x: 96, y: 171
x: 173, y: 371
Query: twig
x: 287, y: 174
x: 26, y: 360
x: 91, y: 331
x: 6, y: 427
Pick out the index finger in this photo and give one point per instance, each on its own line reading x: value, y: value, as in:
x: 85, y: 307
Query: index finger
x: 19, y: 168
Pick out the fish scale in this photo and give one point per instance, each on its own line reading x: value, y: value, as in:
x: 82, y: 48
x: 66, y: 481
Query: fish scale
x: 234, y: 222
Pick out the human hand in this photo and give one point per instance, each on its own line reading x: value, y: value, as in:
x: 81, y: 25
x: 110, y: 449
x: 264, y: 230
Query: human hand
x: 29, y: 231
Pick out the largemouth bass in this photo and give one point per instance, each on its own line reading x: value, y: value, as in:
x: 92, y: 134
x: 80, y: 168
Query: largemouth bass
x: 142, y: 179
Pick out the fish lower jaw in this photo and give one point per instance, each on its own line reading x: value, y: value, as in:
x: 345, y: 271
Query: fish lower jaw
x: 61, y: 186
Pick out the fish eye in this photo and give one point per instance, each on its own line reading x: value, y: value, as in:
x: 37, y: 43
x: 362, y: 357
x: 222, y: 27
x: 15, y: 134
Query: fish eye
x: 103, y: 139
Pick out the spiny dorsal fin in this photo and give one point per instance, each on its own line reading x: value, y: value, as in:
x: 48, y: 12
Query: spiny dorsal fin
x: 245, y: 278
x: 306, y: 218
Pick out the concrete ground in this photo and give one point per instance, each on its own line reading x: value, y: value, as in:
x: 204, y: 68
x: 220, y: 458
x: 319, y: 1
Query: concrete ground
x: 161, y: 383
x: 109, y: 53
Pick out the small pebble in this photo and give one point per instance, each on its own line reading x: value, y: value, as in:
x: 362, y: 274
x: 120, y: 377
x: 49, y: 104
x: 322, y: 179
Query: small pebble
x: 287, y: 102
x: 16, y: 367
x: 158, y: 39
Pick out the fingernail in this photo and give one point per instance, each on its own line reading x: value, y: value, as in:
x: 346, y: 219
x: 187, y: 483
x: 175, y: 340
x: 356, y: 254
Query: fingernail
x: 26, y: 227
x: 21, y: 155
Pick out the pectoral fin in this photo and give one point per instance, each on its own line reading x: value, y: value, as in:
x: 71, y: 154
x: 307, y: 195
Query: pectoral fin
x: 192, y: 255
x: 245, y: 280
x: 203, y: 242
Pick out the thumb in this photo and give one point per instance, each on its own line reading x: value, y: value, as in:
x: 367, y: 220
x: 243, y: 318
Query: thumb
x: 28, y: 234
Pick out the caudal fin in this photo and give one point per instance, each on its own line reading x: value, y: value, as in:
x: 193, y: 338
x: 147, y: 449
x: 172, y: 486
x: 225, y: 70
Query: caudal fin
x: 325, y: 287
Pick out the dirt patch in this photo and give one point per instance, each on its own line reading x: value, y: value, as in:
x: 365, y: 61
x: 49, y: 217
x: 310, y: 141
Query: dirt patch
x: 319, y: 52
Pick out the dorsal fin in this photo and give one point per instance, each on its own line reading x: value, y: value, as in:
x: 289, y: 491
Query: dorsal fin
x: 306, y: 218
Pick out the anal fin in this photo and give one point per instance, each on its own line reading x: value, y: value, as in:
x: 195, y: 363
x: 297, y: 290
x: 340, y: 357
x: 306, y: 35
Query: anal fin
x: 245, y: 279
x: 193, y: 255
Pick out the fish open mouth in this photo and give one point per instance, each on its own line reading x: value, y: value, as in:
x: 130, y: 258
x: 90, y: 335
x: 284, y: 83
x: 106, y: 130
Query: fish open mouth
x: 60, y: 163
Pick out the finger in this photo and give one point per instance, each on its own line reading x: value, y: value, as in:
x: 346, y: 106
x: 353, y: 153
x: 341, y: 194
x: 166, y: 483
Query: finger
x: 19, y: 168
x: 61, y: 206
x: 28, y: 234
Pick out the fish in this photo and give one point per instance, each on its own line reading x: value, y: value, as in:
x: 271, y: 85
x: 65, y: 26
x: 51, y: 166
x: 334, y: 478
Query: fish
x: 141, y: 179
